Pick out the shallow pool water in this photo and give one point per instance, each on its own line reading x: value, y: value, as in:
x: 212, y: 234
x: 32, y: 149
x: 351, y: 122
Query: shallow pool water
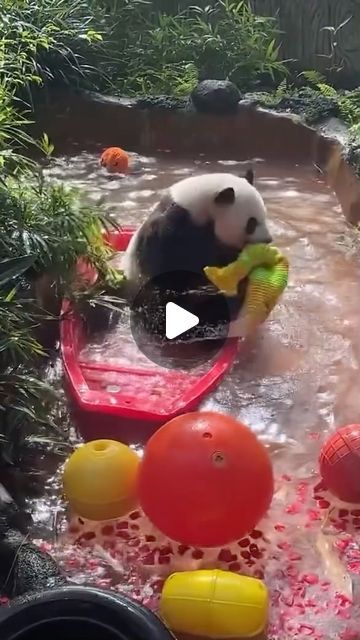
x: 295, y: 381
x: 299, y: 373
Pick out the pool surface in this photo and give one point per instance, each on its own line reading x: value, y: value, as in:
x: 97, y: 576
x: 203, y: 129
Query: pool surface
x: 295, y: 382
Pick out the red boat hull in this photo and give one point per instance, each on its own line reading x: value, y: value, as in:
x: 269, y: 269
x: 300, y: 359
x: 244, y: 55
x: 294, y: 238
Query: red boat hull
x: 128, y: 403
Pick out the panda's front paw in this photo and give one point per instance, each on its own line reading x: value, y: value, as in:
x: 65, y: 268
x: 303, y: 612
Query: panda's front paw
x: 239, y: 328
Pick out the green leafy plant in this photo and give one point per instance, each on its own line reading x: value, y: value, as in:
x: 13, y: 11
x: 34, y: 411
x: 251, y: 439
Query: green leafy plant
x: 177, y: 79
x: 349, y: 104
x: 348, y: 101
x: 312, y: 77
x: 50, y: 222
x: 43, y: 228
x: 46, y: 40
x: 22, y: 395
x: 154, y: 51
x: 134, y: 46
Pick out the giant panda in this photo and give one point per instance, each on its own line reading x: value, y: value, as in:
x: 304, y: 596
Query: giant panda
x: 201, y: 220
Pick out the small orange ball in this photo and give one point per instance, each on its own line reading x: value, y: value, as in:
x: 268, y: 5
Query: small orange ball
x: 115, y: 160
x: 100, y: 480
x: 205, y: 479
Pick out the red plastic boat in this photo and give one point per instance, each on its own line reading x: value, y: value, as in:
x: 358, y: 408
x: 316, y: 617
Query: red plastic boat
x: 123, y: 402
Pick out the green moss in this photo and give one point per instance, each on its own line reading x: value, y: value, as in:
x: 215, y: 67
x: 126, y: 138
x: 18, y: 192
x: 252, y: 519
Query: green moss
x: 308, y: 103
x: 315, y: 102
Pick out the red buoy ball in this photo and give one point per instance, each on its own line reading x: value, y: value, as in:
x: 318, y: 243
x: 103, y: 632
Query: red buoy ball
x: 340, y: 463
x: 205, y: 479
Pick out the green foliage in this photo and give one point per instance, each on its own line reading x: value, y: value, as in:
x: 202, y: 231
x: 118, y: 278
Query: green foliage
x: 312, y: 77
x: 46, y: 40
x: 327, y: 91
x: 152, y: 52
x: 315, y: 100
x: 22, y: 396
x: 40, y: 42
x: 348, y: 101
x: 177, y: 79
x: 48, y: 221
x: 349, y: 105
x: 13, y: 267
x: 43, y: 227
x: 25, y: 407
x: 134, y: 46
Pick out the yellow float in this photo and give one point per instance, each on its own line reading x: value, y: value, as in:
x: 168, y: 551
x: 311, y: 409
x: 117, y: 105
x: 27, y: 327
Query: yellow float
x: 100, y: 480
x: 267, y: 270
x: 214, y: 604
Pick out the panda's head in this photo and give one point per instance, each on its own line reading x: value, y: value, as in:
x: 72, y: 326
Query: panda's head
x: 231, y: 203
x: 239, y: 213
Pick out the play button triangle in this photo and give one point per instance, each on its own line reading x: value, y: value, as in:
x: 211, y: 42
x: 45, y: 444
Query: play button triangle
x: 178, y: 320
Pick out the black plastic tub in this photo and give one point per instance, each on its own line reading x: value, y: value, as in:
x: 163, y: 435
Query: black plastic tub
x: 78, y: 613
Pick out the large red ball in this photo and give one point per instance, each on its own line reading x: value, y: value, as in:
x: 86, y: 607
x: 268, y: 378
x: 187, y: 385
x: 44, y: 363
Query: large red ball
x: 205, y: 479
x: 340, y: 463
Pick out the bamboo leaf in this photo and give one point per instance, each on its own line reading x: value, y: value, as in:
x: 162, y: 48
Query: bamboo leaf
x: 14, y: 267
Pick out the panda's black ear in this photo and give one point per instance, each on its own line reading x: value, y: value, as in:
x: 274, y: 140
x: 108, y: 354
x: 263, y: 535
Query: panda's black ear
x: 249, y: 176
x: 226, y: 196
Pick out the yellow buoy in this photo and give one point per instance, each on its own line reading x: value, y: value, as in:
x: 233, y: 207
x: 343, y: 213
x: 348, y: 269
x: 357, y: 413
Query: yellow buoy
x: 215, y: 604
x: 100, y: 480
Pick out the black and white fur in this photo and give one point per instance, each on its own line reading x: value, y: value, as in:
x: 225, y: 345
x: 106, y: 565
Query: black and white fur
x: 199, y: 221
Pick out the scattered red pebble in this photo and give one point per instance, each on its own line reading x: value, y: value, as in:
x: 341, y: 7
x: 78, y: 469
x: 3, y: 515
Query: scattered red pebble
x: 302, y: 603
x: 108, y: 530
x: 182, y: 549
x: 135, y: 515
x: 245, y: 542
x: 227, y: 556
x: 123, y: 535
x: 294, y: 508
x: 256, y: 534
x: 87, y: 536
x: 310, y: 578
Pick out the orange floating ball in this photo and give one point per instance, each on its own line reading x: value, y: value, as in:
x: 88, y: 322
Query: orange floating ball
x: 340, y: 463
x: 100, y: 480
x: 115, y: 160
x: 205, y: 479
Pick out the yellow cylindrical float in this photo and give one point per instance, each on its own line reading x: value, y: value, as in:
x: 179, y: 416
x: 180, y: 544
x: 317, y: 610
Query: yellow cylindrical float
x: 214, y: 604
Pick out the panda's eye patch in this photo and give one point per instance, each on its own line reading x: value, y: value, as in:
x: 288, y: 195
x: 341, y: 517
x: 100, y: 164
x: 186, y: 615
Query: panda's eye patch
x: 251, y: 226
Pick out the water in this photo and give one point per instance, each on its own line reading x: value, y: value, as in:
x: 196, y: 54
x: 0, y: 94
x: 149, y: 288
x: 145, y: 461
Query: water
x: 298, y: 374
x: 295, y: 381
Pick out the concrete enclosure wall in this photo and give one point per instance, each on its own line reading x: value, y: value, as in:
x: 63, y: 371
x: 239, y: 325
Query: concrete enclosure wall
x: 90, y: 121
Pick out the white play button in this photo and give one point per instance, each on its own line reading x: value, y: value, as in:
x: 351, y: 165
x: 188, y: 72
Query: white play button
x: 177, y: 323
x: 178, y: 320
